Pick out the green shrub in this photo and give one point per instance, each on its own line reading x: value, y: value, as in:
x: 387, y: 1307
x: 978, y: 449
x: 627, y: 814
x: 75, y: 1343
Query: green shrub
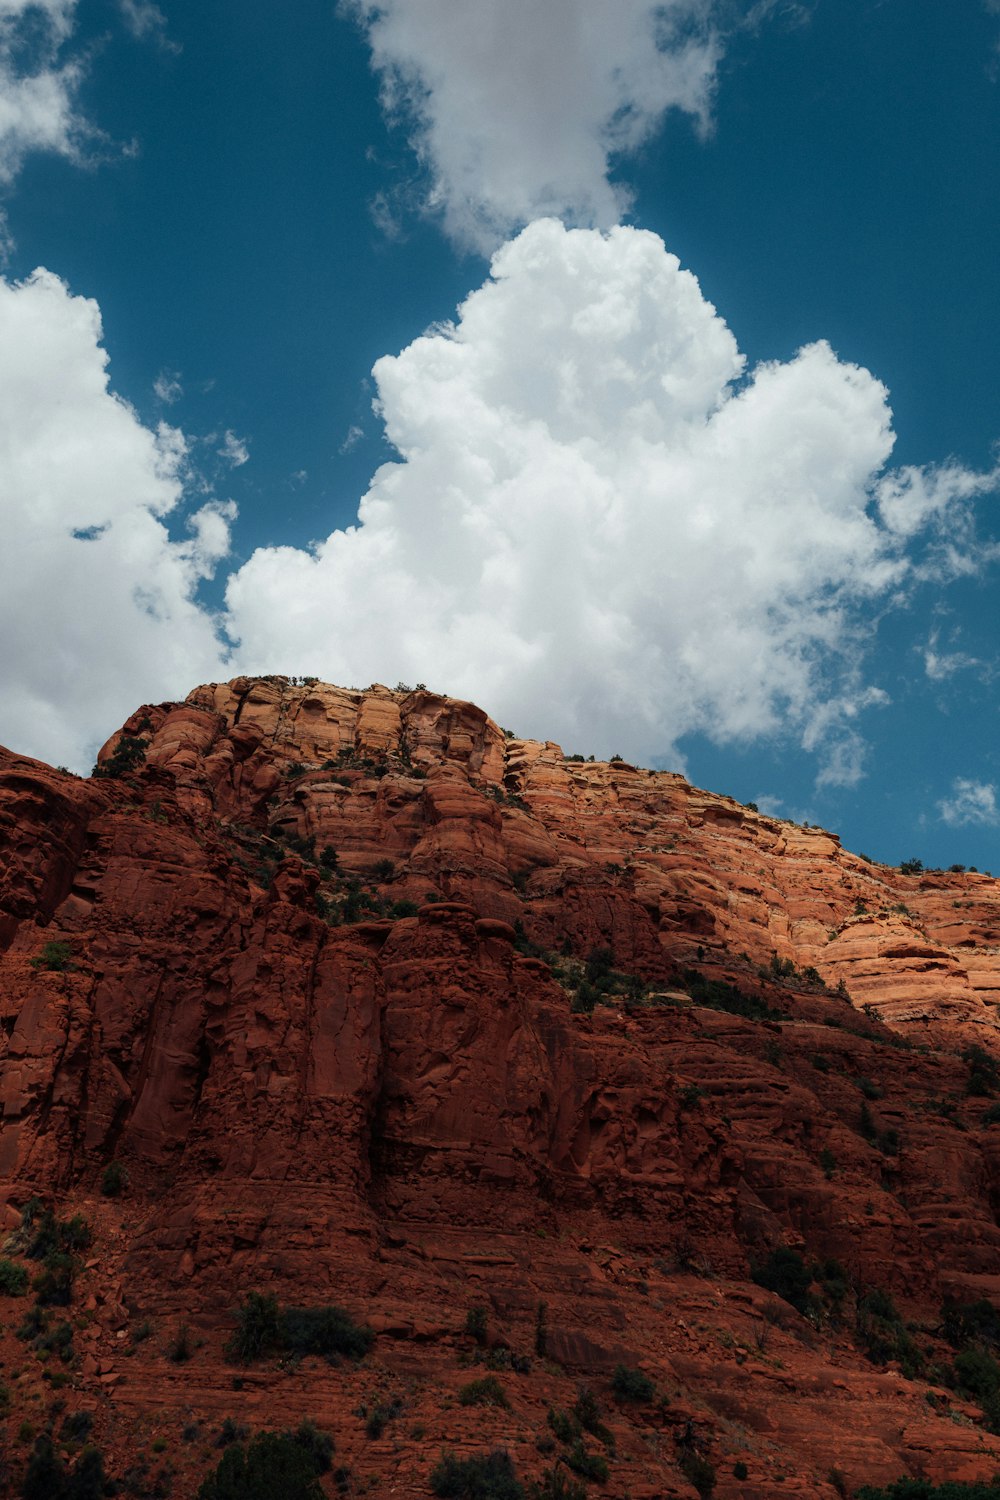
x: 587, y: 1412
x: 477, y: 1324
x: 963, y: 1322
x: 984, y: 1072
x: 13, y: 1278
x: 114, y: 1180
x: 257, y: 1328
x: 717, y: 995
x: 484, y: 1392
x: 53, y: 1286
x: 45, y: 1476
x: 274, y: 1466
x: 785, y: 1274
x: 76, y: 1427
x: 922, y: 1489
x: 740, y: 1470
x: 883, y: 1336
x: 87, y: 1481
x: 231, y: 1432
x: 129, y: 754
x: 564, y: 1424
x: 555, y: 1483
x: 979, y: 1374
x: 316, y: 1444
x: 326, y: 1330
x: 698, y: 1471
x: 589, y: 1466
x: 55, y: 955
x: 630, y: 1384
x: 488, y: 1476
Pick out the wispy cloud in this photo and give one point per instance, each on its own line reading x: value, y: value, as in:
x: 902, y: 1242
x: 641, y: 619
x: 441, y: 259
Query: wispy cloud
x: 971, y: 802
x: 167, y: 387
x: 233, y: 450
x: 940, y: 665
x: 146, y: 21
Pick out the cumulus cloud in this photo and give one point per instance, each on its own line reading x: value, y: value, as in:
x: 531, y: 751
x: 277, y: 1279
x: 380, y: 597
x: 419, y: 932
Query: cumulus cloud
x: 97, y: 598
x: 521, y: 109
x: 605, y: 530
x: 971, y: 802
x: 38, y: 105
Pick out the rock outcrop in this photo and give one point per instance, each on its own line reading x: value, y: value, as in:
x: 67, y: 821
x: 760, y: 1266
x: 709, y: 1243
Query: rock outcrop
x: 318, y: 967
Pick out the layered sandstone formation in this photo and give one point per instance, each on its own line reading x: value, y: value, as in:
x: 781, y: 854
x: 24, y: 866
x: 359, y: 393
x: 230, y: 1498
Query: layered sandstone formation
x: 320, y: 951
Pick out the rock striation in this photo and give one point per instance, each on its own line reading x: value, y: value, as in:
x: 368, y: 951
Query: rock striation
x: 317, y: 968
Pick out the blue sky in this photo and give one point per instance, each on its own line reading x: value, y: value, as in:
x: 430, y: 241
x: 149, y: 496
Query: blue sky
x: 622, y: 510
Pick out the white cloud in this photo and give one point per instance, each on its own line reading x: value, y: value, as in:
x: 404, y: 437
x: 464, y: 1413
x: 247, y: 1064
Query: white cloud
x: 941, y: 665
x: 97, y: 601
x: 146, y: 20
x: 970, y: 802
x: 598, y: 526
x: 234, y: 450
x: 521, y: 109
x: 353, y: 438
x: 37, y: 91
x: 167, y: 387
x: 600, y: 533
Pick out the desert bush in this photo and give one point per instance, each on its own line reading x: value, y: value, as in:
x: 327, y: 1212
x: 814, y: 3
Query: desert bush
x: 56, y: 955
x: 963, y: 1322
x: 487, y: 1476
x: 114, y: 1180
x: 984, y: 1072
x: 477, y: 1324
x: 555, y: 1483
x: 698, y: 1471
x: 326, y: 1330
x: 587, y: 1412
x: 53, y: 1286
x: 564, y: 1424
x: 589, y: 1466
x: 922, y: 1489
x: 785, y: 1274
x: 883, y: 1336
x: 273, y: 1466
x: 13, y: 1278
x: 484, y: 1392
x: 630, y: 1384
x: 257, y: 1328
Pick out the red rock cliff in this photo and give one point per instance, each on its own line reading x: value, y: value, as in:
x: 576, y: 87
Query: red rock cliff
x: 325, y: 994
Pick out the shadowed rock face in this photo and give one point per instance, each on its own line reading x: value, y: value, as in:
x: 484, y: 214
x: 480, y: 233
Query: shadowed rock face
x: 313, y: 1005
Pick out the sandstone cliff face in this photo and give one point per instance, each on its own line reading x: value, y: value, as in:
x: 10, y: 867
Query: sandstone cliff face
x: 313, y: 1006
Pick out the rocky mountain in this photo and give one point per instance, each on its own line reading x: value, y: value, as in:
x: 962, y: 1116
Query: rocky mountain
x: 556, y: 1076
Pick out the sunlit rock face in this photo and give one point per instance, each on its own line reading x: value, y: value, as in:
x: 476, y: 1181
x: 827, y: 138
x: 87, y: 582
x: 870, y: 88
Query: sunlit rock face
x: 316, y: 966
